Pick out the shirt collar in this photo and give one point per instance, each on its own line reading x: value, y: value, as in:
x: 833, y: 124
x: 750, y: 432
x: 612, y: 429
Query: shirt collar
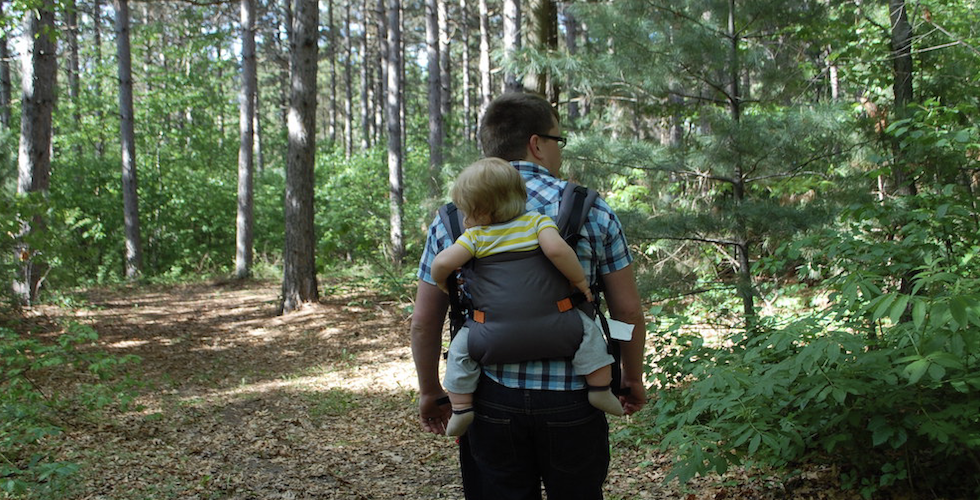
x: 532, y: 169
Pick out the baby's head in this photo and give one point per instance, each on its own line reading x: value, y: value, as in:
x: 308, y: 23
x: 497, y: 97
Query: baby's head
x: 489, y: 191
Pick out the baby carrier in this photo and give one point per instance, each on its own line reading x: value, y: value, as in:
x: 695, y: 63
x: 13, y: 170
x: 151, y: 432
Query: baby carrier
x: 519, y: 307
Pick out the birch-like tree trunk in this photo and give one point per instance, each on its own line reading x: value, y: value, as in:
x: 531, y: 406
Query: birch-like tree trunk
x: 246, y: 148
x: 435, y: 97
x: 299, y: 283
x: 393, y: 118
x: 485, y: 77
x: 131, y: 219
x: 39, y: 71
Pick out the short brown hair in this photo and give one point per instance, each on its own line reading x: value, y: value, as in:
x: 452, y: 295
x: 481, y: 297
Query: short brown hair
x: 490, y: 187
x: 511, y: 119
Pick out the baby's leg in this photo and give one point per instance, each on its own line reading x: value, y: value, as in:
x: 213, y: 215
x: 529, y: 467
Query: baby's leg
x: 462, y: 413
x: 600, y: 393
x: 593, y: 360
x: 462, y: 377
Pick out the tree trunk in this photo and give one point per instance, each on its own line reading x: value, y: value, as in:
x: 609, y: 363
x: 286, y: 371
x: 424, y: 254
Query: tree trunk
x: 543, y: 36
x: 901, y: 56
x: 485, y: 83
x: 71, y: 36
x: 332, y: 56
x: 131, y: 220
x: 435, y: 98
x: 445, y: 74
x: 365, y: 82
x: 97, y: 82
x: 571, y: 45
x: 464, y: 15
x: 246, y: 147
x: 6, y: 88
x: 512, y: 42
x: 39, y: 71
x: 257, y: 127
x: 299, y: 270
x: 348, y: 86
x: 393, y: 118
x: 744, y: 284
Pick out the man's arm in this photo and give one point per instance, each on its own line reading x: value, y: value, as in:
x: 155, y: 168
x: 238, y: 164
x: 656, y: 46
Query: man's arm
x: 427, y: 320
x: 623, y: 300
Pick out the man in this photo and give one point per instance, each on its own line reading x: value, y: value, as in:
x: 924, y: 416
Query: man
x: 534, y: 423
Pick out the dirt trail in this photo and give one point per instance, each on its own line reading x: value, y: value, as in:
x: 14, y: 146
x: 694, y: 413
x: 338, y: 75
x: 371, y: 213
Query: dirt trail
x: 240, y: 403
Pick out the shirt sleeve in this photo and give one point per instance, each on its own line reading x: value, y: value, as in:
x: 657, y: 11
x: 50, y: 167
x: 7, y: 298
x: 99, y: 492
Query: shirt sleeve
x: 613, y: 252
x: 437, y: 239
x: 542, y: 222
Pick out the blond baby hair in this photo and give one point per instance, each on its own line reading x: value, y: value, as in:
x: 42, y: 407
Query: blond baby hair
x: 490, y: 187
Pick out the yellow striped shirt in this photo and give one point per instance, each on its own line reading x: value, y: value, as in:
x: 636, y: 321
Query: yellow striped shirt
x: 517, y: 235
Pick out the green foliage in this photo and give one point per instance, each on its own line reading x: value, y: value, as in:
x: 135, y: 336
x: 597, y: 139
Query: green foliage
x: 29, y: 412
x: 883, y: 381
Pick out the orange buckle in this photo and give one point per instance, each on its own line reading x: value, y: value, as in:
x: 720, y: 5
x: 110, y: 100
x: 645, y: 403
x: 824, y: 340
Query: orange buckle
x: 565, y: 304
x: 479, y: 317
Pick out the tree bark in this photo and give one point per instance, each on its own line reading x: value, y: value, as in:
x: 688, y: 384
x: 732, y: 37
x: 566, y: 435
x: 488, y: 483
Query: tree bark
x: 744, y: 284
x: 97, y: 82
x: 348, y: 85
x: 71, y: 36
x: 131, y: 220
x: 6, y: 88
x: 39, y: 71
x: 246, y: 148
x: 543, y: 35
x: 299, y: 283
x: 445, y: 73
x: 433, y: 47
x: 571, y: 45
x: 485, y: 82
x: 393, y: 118
x: 332, y: 56
x: 512, y: 42
x: 366, y: 116
x: 901, y: 56
x: 466, y: 91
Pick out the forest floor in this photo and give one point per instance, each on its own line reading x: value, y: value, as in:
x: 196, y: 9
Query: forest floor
x: 239, y: 403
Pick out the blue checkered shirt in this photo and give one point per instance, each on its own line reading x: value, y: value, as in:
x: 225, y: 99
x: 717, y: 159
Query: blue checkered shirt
x: 603, y: 232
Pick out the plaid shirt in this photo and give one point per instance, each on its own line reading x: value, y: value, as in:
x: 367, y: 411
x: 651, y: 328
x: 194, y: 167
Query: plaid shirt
x: 602, y: 230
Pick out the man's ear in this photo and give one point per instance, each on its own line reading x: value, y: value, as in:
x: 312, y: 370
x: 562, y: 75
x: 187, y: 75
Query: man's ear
x: 534, y: 148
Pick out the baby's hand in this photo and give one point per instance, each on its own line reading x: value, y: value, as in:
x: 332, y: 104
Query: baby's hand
x: 583, y: 287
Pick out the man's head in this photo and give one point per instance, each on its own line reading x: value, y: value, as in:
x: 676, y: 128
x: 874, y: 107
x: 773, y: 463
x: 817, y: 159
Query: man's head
x: 489, y: 191
x: 519, y: 126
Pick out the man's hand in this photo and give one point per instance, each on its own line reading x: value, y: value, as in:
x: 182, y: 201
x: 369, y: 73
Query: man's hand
x: 636, y: 399
x: 434, y: 413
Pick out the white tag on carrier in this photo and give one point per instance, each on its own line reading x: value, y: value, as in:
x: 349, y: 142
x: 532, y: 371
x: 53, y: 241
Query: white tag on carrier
x: 617, y: 329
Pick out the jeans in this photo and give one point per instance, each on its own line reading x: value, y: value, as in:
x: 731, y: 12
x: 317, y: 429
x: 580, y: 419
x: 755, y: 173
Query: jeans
x: 521, y: 438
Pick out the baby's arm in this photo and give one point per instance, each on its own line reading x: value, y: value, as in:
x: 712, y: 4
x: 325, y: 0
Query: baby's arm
x: 448, y: 261
x: 564, y: 258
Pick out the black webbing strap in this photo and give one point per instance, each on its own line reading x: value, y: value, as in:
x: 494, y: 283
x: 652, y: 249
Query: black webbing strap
x: 452, y: 219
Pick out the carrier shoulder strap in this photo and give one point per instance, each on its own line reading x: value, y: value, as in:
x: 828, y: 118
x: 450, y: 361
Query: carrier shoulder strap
x: 452, y: 219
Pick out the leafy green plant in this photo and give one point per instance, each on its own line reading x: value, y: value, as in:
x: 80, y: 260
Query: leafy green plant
x: 30, y: 412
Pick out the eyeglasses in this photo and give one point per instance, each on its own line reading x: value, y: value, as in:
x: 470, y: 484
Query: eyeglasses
x: 557, y: 138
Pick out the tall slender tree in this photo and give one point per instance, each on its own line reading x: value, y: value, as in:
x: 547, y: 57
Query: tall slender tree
x: 131, y: 218
x: 246, y: 149
x: 901, y: 56
x: 39, y: 70
x: 299, y: 283
x: 543, y: 35
x: 5, y: 84
x: 348, y: 83
x: 445, y: 68
x: 464, y: 70
x: 485, y: 83
x: 512, y: 43
x: 393, y: 117
x: 433, y: 45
